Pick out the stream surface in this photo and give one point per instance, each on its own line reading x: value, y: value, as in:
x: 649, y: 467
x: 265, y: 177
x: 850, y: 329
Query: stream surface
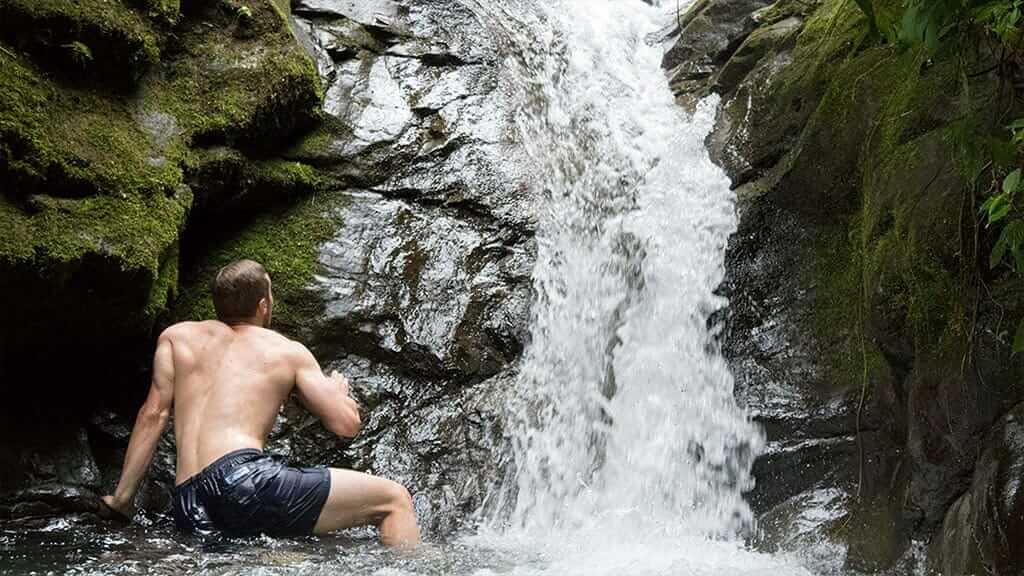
x: 628, y: 452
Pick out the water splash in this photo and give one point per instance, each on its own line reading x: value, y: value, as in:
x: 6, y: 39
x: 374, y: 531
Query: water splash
x: 624, y: 405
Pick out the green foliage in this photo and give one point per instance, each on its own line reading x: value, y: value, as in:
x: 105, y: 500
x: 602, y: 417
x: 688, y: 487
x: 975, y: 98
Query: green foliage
x: 963, y: 27
x: 930, y: 22
x: 1003, y: 208
x: 927, y: 21
x: 869, y: 11
x: 1002, y: 18
x: 286, y: 242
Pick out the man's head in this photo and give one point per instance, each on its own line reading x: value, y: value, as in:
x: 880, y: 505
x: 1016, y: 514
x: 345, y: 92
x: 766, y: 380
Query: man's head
x: 242, y: 294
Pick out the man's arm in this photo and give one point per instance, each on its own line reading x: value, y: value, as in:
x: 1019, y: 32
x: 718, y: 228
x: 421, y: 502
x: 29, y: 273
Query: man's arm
x: 149, y: 425
x: 327, y: 398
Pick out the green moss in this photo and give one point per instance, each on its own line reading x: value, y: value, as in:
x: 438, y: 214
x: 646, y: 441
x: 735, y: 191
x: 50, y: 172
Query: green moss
x: 286, y: 175
x: 894, y: 264
x: 915, y: 262
x: 830, y: 36
x: 123, y: 42
x: 286, y: 243
x: 230, y: 186
x: 165, y: 12
x: 72, y: 142
x: 134, y: 230
x: 245, y: 92
x: 164, y: 288
x: 94, y: 180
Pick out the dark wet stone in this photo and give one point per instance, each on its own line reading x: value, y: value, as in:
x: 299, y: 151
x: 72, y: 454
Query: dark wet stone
x: 800, y: 523
x: 422, y: 290
x: 709, y: 33
x: 49, y: 499
x: 416, y: 110
x: 65, y: 460
x: 378, y: 13
x: 48, y: 476
x: 982, y: 531
x: 809, y: 423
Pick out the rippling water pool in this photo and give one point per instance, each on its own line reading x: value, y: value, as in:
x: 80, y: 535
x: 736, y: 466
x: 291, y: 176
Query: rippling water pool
x: 81, y: 546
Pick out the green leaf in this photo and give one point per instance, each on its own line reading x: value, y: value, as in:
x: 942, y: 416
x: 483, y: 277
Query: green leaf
x: 986, y: 205
x: 999, y: 250
x: 1018, y: 257
x: 1018, y: 339
x: 1012, y: 182
x: 996, y: 208
x: 999, y: 212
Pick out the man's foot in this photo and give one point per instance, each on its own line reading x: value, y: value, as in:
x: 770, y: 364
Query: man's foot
x: 111, y: 509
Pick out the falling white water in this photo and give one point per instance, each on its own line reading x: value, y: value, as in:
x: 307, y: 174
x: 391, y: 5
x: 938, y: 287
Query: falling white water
x: 630, y: 452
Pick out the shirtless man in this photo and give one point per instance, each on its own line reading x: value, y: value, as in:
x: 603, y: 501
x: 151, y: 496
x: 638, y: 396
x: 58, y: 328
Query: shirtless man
x: 226, y: 380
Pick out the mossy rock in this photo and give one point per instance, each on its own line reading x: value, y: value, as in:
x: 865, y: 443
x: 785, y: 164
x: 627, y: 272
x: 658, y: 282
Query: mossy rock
x: 241, y: 81
x: 87, y: 279
x: 103, y: 42
x: 96, y: 183
x: 70, y: 142
x: 111, y: 150
x: 231, y: 190
x: 287, y: 243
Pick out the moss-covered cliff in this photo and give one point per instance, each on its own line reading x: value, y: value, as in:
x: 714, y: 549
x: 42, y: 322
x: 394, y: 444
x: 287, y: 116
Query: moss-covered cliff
x: 852, y: 157
x: 112, y: 116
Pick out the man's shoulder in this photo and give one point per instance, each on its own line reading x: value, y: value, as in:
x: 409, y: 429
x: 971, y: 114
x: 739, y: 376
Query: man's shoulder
x: 191, y: 328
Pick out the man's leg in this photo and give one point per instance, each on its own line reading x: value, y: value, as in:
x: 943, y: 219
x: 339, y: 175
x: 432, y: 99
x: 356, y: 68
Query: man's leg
x: 358, y: 499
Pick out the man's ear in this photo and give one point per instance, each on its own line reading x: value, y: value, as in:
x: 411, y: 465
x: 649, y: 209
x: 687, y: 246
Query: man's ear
x: 263, y: 306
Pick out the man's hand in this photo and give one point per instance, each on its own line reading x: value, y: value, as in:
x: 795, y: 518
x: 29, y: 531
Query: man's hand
x: 319, y: 393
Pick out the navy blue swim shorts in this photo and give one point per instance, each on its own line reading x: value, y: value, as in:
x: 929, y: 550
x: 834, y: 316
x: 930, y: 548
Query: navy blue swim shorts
x: 247, y: 493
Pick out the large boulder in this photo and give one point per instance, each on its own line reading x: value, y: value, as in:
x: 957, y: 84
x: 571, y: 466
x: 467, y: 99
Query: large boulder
x: 981, y: 531
x: 416, y: 108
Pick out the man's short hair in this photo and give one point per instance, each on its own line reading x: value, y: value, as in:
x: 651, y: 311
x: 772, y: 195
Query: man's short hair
x: 238, y: 288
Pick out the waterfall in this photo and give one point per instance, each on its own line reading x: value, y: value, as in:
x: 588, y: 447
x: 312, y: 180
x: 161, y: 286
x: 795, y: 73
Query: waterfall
x: 623, y: 421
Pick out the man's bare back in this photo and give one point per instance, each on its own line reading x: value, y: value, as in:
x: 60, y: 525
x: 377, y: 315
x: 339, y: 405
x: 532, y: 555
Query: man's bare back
x: 226, y: 382
x: 229, y: 383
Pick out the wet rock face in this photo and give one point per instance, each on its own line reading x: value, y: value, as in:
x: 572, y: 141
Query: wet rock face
x: 982, y: 531
x: 424, y: 289
x: 47, y: 477
x: 440, y: 440
x: 810, y: 426
x: 735, y: 49
x: 413, y: 92
x: 709, y: 34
